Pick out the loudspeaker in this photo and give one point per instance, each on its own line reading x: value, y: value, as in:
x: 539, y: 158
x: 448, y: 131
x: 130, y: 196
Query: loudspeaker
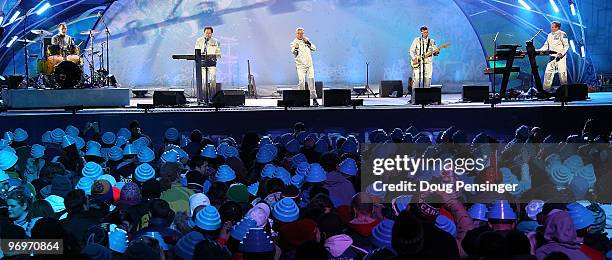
x: 426, y: 96
x: 572, y: 92
x: 475, y: 93
x: 169, y: 98
x: 229, y: 97
x: 387, y: 87
x: 296, y: 98
x: 318, y: 88
x: 336, y: 97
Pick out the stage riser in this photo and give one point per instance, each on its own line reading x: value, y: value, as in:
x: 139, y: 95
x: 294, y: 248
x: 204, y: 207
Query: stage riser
x: 39, y: 98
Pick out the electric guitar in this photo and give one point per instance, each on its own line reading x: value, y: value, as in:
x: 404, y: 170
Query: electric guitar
x: 252, y: 89
x: 419, y: 59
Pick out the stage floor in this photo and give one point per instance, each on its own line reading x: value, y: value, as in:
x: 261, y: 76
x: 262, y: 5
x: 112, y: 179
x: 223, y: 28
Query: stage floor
x: 449, y: 101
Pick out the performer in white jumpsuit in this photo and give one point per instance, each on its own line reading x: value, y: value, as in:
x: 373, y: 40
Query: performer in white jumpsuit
x: 420, y: 46
x: 302, y: 49
x: 210, y: 46
x: 556, y: 41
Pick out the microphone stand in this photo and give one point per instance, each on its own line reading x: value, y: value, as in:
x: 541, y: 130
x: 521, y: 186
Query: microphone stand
x: 25, y: 51
x: 494, y: 99
x: 206, y: 87
x: 107, y: 32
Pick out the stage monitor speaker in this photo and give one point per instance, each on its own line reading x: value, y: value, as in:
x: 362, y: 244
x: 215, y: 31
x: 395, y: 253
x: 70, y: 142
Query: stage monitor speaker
x: 426, y: 96
x: 318, y: 88
x: 572, y: 92
x: 169, y: 98
x: 336, y: 97
x: 389, y: 87
x: 229, y: 97
x: 475, y: 93
x: 296, y: 98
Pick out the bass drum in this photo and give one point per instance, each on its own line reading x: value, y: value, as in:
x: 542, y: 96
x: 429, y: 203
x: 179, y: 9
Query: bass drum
x: 67, y: 75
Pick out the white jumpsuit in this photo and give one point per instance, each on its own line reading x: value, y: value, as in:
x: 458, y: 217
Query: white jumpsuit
x: 556, y: 41
x: 214, y: 47
x: 415, y: 50
x: 303, y: 65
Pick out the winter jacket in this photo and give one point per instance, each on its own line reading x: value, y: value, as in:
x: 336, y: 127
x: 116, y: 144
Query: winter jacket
x: 341, y: 191
x: 340, y: 247
x: 560, y: 236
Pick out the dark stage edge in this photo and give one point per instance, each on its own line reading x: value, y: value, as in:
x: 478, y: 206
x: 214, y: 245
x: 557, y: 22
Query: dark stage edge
x: 259, y: 115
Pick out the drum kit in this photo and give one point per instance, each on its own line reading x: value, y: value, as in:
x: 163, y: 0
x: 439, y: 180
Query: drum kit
x: 62, y: 67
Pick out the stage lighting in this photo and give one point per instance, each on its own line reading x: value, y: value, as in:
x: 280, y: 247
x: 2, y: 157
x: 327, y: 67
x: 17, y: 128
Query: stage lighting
x: 572, y: 7
x: 11, y: 42
x: 554, y: 5
x: 524, y: 4
x: 43, y: 8
x: 582, y: 51
x: 15, y: 16
x: 573, y: 46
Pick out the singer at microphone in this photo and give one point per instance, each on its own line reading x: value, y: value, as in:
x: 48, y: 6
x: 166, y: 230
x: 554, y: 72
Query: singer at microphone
x: 211, y: 48
x: 302, y: 49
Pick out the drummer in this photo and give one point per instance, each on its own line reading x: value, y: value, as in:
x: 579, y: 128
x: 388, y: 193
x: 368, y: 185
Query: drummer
x: 65, y: 42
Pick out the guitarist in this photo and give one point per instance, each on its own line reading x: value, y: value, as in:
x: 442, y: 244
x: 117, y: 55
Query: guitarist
x: 556, y: 41
x: 421, y: 46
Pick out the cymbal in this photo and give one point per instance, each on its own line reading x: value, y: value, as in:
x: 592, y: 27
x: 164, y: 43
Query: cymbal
x: 91, y: 49
x: 41, y: 32
x: 88, y: 32
x: 26, y: 41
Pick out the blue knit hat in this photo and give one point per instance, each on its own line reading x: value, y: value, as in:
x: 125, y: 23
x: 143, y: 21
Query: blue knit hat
x: 266, y: 153
x: 93, y: 151
x: 130, y: 149
x: 144, y: 172
x: 185, y: 247
x: 285, y: 138
x: 37, y: 151
x: 265, y: 140
x: 209, y: 151
x: 208, y: 218
x: 501, y: 209
x: 108, y: 138
x: 68, y: 140
x: 230, y: 152
x: 225, y: 174
x: 125, y: 133
x: 348, y: 167
x: 581, y: 216
x: 57, y: 135
x: 118, y: 240
x: 20, y: 135
x: 46, y: 137
x: 599, y: 223
x: 268, y: 171
x: 170, y: 156
x: 146, y: 155
x: 397, y: 134
x: 109, y: 178
x: 446, y: 224
x: 286, y: 210
x: 115, y: 153
x: 141, y: 142
x: 92, y: 170
x: 402, y: 202
x: 322, y: 145
x: 239, y: 230
x: 80, y: 142
x: 72, y: 131
x: 316, y: 173
x: 293, y: 146
x: 85, y: 184
x: 93, y: 144
x: 302, y: 168
x: 478, y: 211
x: 253, y: 188
x: 297, y: 159
x: 381, y: 234
x: 256, y: 241
x: 297, y: 180
x: 282, y: 174
x: 522, y: 132
x: 171, y: 134
x: 527, y: 226
x: 349, y: 146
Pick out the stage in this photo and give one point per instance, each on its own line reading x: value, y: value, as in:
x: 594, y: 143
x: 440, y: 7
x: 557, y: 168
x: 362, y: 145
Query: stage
x: 263, y: 115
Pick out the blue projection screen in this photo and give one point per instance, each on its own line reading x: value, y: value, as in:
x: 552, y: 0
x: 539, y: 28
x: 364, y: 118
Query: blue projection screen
x: 145, y: 34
